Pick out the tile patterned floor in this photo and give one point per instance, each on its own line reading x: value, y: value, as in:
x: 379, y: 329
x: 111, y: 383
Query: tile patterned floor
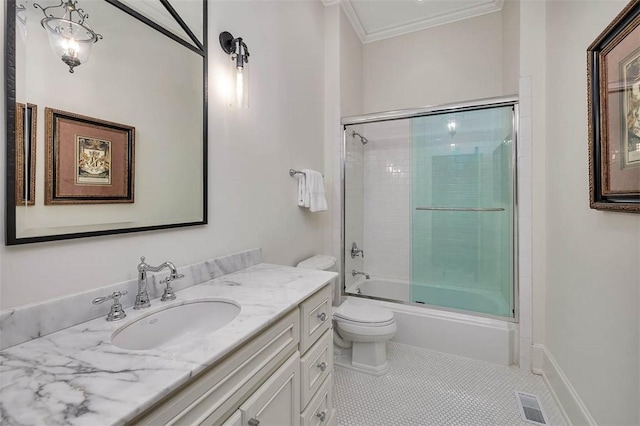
x: 432, y: 388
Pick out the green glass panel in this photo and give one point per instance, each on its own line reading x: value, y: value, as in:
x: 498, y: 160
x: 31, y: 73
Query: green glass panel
x: 462, y: 210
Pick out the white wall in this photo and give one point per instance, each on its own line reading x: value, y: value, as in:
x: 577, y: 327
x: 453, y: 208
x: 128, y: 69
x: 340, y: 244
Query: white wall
x: 333, y: 130
x: 251, y: 196
x: 351, y: 59
x: 448, y: 63
x: 510, y: 46
x: 351, y: 63
x: 532, y: 176
x: 593, y: 258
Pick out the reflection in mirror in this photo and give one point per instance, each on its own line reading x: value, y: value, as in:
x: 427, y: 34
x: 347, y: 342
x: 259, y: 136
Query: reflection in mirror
x: 137, y: 81
x: 26, y: 117
x: 192, y: 17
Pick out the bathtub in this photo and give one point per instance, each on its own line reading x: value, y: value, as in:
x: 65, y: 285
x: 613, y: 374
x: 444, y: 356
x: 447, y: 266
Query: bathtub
x: 487, y: 339
x: 384, y: 288
x: 460, y: 298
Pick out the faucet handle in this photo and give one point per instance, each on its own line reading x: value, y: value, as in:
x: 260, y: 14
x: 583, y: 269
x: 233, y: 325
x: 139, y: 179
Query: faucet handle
x: 116, y: 313
x: 170, y: 278
x: 168, y: 291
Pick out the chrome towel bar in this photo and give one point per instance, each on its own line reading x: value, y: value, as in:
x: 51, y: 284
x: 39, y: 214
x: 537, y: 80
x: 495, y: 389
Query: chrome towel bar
x: 462, y: 209
x: 293, y: 172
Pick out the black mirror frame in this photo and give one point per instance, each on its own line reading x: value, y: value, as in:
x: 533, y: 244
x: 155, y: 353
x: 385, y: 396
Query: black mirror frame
x: 199, y: 47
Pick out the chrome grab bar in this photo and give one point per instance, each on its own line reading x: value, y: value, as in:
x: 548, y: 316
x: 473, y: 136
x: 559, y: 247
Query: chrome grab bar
x: 462, y: 209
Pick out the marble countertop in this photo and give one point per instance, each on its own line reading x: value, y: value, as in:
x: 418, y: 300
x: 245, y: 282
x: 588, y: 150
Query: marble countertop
x: 77, y: 377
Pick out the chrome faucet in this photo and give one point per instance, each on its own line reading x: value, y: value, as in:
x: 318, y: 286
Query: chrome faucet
x: 355, y: 251
x: 354, y: 273
x: 142, y: 299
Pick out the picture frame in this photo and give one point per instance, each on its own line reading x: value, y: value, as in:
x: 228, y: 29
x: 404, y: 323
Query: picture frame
x: 613, y: 102
x: 25, y: 153
x: 88, y: 160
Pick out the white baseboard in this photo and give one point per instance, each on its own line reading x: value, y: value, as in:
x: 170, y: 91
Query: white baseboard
x: 571, y: 406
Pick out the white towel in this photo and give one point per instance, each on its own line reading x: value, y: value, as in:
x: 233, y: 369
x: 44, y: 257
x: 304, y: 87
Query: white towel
x: 315, y: 191
x: 303, y: 193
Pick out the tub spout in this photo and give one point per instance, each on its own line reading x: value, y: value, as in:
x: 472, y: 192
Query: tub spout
x: 354, y: 273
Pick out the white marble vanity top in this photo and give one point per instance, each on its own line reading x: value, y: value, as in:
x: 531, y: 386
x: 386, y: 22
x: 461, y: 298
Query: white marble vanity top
x: 77, y: 377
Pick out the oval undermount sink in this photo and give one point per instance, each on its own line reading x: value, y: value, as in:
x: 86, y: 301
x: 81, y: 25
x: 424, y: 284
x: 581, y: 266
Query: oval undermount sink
x: 176, y: 324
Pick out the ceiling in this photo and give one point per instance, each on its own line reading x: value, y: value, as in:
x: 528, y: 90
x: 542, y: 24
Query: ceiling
x: 379, y: 19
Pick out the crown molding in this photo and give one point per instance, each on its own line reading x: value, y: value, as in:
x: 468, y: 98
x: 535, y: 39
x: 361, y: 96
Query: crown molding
x: 353, y: 17
x: 416, y: 25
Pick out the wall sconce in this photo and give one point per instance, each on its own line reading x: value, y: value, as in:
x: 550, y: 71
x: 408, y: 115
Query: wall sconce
x: 70, y: 38
x: 451, y: 125
x: 239, y: 53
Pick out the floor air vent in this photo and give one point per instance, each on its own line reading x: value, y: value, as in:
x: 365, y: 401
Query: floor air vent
x: 530, y: 408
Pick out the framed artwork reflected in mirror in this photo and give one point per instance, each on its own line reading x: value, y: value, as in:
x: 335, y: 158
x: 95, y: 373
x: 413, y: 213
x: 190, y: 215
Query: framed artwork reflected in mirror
x: 25, y: 150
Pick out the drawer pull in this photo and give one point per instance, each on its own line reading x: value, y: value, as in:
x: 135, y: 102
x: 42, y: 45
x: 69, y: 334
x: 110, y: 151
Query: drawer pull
x: 254, y: 422
x: 322, y: 416
x: 322, y: 316
x: 322, y: 366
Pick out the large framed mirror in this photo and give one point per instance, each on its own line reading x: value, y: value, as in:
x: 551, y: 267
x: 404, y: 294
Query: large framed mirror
x: 106, y: 117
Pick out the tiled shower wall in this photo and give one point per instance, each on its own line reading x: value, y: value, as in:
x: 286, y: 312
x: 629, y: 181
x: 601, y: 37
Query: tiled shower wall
x: 354, y: 205
x: 387, y: 199
x: 464, y: 169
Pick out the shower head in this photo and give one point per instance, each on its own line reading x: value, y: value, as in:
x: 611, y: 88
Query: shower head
x: 363, y: 140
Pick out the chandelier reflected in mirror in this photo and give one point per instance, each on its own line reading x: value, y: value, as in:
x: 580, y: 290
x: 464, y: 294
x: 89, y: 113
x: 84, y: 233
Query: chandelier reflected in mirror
x: 70, y: 37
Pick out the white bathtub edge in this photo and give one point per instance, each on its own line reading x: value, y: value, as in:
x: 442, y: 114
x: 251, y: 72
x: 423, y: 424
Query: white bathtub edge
x: 450, y: 316
x: 481, y: 338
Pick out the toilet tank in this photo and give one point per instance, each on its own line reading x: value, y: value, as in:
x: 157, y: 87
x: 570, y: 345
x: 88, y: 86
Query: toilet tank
x: 319, y: 262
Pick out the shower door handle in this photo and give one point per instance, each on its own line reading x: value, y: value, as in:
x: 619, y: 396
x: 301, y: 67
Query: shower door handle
x: 463, y: 209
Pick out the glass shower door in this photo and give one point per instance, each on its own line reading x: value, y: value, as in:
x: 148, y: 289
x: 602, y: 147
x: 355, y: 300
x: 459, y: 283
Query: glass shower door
x: 462, y: 211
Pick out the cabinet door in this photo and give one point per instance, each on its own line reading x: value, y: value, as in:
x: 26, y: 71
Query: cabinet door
x: 277, y: 401
x: 234, y: 420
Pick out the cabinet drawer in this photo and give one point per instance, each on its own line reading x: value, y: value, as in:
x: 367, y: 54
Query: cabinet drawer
x: 316, y: 365
x: 320, y: 409
x: 315, y: 317
x: 275, y: 403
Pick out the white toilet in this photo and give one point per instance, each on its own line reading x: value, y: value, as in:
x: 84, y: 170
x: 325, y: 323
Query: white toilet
x: 361, y: 328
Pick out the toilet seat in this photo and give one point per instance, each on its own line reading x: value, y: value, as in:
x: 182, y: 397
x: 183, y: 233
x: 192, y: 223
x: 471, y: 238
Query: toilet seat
x: 366, y: 333
x: 364, y: 324
x: 363, y: 315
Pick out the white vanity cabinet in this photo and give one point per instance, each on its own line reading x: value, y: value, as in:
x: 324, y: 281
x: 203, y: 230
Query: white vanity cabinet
x: 316, y: 362
x: 283, y: 376
x: 276, y: 401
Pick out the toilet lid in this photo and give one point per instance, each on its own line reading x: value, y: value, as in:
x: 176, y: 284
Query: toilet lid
x: 358, y: 312
x: 320, y: 262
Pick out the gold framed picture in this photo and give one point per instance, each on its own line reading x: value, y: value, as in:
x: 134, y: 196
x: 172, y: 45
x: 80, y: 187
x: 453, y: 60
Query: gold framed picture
x: 613, y: 65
